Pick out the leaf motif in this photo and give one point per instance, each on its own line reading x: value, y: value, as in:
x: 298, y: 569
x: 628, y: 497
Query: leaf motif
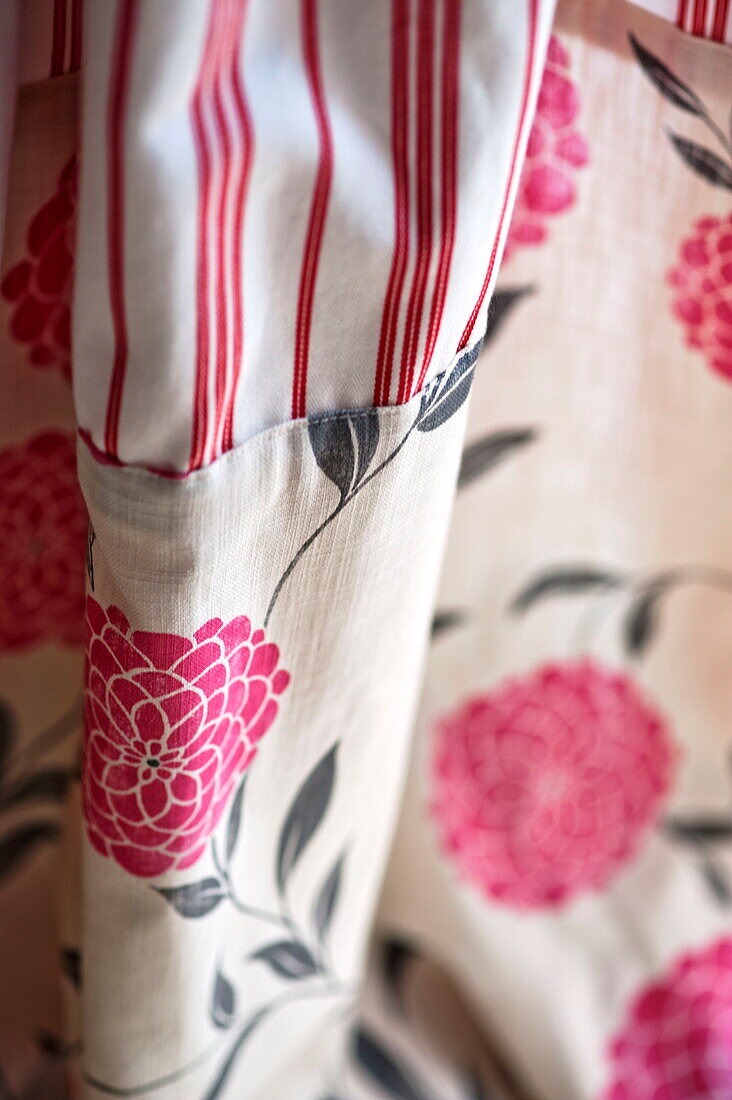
x: 700, y: 829
x: 195, y: 899
x: 50, y: 1044
x: 91, y: 538
x: 288, y: 958
x: 70, y: 958
x: 489, y: 451
x: 396, y: 956
x: 232, y: 828
x: 50, y: 784
x: 366, y: 429
x: 218, y: 1083
x: 305, y: 815
x: 382, y: 1068
x: 563, y: 581
x: 703, y: 161
x: 446, y: 620
x: 223, y: 1002
x: 447, y: 395
x: 15, y: 846
x: 325, y: 902
x: 332, y: 444
x: 501, y: 305
x: 717, y: 883
x: 476, y: 1090
x: 643, y: 619
x: 668, y: 84
x: 7, y: 734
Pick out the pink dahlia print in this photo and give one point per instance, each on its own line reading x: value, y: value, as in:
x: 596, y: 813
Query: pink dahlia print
x: 43, y: 526
x: 545, y: 786
x: 171, y: 724
x: 702, y: 283
x: 555, y: 150
x: 676, y: 1043
x: 39, y: 286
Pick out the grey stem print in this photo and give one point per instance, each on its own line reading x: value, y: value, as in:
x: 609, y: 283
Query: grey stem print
x: 344, y: 445
x: 23, y: 783
x: 299, y: 959
x: 647, y: 590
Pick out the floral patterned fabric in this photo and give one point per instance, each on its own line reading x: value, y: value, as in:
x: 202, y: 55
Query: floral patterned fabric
x: 555, y: 150
x: 171, y: 726
x: 546, y: 786
x: 44, y: 524
x: 575, y: 673
x: 364, y: 718
x: 39, y: 286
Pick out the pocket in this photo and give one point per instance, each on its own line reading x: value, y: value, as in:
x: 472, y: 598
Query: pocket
x: 257, y: 638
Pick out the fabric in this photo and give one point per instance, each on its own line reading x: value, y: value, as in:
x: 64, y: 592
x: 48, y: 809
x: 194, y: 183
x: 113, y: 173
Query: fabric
x: 345, y: 752
x: 567, y: 811
x: 710, y: 19
x: 276, y: 180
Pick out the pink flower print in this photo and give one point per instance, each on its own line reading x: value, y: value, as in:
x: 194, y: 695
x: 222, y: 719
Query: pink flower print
x: 171, y: 725
x: 43, y: 526
x: 546, y: 786
x: 39, y: 286
x: 702, y: 284
x: 676, y: 1042
x: 555, y: 150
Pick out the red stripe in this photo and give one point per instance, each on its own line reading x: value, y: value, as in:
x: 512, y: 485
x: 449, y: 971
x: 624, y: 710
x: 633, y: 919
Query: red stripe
x: 321, y: 192
x: 425, y: 98
x: 224, y: 160
x: 230, y: 312
x: 119, y: 85
x: 681, y: 15
x: 400, y: 162
x: 108, y: 460
x: 58, y: 47
x: 528, y: 75
x: 720, y: 21
x: 242, y: 186
x: 448, y: 208
x: 700, y: 16
x: 201, y: 94
x: 76, y: 24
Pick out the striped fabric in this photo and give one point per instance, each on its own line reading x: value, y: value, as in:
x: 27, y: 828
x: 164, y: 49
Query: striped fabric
x: 49, y: 39
x: 287, y: 208
x: 711, y: 19
x: 52, y: 30
x: 66, y: 42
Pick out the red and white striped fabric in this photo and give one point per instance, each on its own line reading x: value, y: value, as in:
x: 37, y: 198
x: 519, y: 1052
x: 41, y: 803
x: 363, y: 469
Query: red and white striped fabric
x: 711, y: 19
x: 49, y: 38
x: 51, y: 30
x: 287, y: 208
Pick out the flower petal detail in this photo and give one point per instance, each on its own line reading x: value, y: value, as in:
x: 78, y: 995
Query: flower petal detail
x: 172, y: 723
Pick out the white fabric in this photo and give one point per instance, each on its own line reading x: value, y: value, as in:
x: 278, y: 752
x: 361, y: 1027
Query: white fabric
x: 161, y: 199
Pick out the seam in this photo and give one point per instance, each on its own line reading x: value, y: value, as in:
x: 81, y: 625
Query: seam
x: 386, y: 413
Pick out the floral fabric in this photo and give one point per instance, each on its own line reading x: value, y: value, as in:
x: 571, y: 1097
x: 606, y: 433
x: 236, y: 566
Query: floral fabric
x: 576, y: 679
x: 171, y: 726
x: 364, y: 720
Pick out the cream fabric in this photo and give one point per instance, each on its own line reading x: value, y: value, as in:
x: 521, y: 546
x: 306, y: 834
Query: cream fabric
x: 519, y: 885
